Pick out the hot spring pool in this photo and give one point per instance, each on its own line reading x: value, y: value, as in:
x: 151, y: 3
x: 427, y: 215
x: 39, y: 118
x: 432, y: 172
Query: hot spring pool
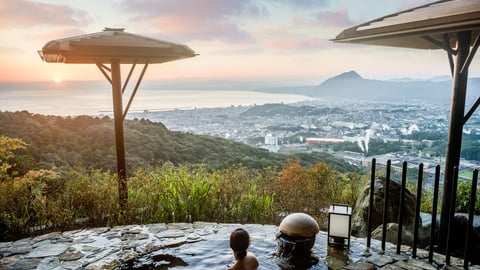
x: 212, y: 251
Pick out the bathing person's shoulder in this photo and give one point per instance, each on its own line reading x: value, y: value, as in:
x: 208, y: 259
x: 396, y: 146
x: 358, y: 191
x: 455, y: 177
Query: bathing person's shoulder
x: 249, y: 262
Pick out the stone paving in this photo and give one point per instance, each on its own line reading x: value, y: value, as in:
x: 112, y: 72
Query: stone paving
x: 109, y: 248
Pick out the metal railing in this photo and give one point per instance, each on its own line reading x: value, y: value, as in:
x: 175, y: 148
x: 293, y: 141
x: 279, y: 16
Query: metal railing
x: 420, y: 179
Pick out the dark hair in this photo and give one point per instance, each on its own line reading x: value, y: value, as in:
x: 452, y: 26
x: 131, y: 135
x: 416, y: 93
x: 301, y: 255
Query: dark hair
x: 239, y: 242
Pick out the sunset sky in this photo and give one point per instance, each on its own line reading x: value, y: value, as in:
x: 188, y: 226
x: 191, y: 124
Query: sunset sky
x: 278, y: 40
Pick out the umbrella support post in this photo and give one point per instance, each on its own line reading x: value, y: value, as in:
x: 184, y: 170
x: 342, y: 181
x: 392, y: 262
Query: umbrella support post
x: 119, y: 137
x: 459, y: 89
x: 119, y: 116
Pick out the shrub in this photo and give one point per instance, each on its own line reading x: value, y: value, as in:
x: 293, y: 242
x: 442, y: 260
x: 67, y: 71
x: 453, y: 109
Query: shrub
x: 58, y: 199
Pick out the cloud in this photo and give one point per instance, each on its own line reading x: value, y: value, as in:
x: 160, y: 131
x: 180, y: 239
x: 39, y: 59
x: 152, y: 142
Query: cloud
x: 56, y: 34
x: 408, y: 4
x: 337, y: 18
x: 297, y: 44
x: 29, y: 13
x: 195, y: 19
x: 305, y: 3
x: 286, y: 39
x: 9, y: 50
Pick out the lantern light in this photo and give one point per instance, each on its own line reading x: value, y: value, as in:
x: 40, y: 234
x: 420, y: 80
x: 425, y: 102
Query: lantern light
x: 339, y: 222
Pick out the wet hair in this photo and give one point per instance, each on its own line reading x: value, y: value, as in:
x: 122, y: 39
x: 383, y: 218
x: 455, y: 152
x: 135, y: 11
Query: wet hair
x: 239, y: 242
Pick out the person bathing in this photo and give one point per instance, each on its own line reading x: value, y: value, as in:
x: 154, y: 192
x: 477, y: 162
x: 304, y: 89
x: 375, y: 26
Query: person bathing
x: 244, y: 260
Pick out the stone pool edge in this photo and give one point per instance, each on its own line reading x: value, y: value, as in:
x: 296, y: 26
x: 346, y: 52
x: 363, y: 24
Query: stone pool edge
x: 110, y: 247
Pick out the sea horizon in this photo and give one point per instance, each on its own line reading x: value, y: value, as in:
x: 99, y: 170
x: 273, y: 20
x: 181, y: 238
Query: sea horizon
x: 95, y: 98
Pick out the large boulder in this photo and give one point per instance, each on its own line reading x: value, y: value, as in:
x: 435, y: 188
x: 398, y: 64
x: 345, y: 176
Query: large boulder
x: 392, y: 234
x: 360, y: 211
x: 459, y: 231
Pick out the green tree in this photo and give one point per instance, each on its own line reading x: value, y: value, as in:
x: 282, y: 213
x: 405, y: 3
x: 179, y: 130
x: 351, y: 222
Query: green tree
x: 463, y: 198
x: 7, y: 156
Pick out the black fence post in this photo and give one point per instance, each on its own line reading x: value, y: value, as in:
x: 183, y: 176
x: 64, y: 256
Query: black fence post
x: 471, y: 212
x: 385, y: 204
x: 417, y: 209
x: 370, y: 206
x: 402, y: 202
x: 452, y: 214
x: 434, y: 213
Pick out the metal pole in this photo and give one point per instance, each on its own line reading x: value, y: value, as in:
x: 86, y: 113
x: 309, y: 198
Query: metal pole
x: 385, y: 204
x: 434, y: 214
x: 119, y: 138
x: 417, y: 209
x: 451, y: 221
x: 370, y: 205
x: 457, y: 110
x: 471, y: 212
x: 401, y: 207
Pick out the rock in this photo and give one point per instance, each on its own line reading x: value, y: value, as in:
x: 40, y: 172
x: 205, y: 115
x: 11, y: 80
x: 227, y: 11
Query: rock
x: 407, y: 265
x: 20, y: 249
x: 380, y: 260
x: 392, y: 234
x: 180, y: 226
x: 421, y: 264
x: 30, y: 263
x: 335, y: 263
x: 360, y: 211
x: 157, y: 227
x: 71, y: 256
x: 391, y: 267
x: 108, y: 263
x: 48, y: 249
x: 127, y: 255
x: 172, y: 233
x: 360, y: 266
x: 93, y: 249
x: 8, y: 262
x: 49, y: 236
x: 457, y: 244
x: 48, y: 263
x: 149, y: 248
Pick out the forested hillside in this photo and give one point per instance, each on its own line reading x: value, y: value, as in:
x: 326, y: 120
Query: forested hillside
x: 88, y: 142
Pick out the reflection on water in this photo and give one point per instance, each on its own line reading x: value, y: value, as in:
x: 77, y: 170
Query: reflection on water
x: 155, y: 262
x: 214, y: 253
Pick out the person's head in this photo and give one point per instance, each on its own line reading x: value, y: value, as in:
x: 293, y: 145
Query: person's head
x: 239, y: 242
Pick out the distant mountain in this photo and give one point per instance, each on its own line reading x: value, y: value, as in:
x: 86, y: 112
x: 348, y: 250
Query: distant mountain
x: 350, y: 85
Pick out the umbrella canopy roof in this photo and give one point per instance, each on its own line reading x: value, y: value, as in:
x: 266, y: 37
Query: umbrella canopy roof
x: 423, y: 27
x: 112, y: 43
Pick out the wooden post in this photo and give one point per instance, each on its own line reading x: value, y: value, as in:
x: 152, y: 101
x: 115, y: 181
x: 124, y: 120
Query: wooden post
x: 457, y: 110
x: 119, y: 138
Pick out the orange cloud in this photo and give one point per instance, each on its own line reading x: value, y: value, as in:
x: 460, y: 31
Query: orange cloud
x: 195, y: 19
x: 29, y: 13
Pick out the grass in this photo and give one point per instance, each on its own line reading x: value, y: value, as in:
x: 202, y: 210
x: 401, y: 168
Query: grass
x: 48, y: 200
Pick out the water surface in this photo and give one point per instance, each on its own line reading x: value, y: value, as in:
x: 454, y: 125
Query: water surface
x: 214, y: 252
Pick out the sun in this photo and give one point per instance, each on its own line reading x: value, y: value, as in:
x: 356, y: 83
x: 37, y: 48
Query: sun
x: 57, y: 80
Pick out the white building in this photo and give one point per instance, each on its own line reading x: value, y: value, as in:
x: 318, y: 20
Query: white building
x: 271, y: 140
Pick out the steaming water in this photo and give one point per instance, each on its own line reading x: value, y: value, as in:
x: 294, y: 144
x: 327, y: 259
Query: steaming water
x: 214, y: 253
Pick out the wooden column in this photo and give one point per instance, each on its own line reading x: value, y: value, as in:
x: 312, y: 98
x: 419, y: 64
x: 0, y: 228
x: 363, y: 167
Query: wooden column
x: 119, y: 137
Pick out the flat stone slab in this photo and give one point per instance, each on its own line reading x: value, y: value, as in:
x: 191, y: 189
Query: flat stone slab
x: 48, y: 250
x: 381, y: 260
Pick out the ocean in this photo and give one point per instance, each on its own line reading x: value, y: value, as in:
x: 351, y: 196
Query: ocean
x: 95, y: 98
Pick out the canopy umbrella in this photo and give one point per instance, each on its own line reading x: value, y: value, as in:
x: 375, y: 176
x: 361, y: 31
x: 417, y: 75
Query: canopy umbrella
x: 451, y: 25
x: 114, y: 47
